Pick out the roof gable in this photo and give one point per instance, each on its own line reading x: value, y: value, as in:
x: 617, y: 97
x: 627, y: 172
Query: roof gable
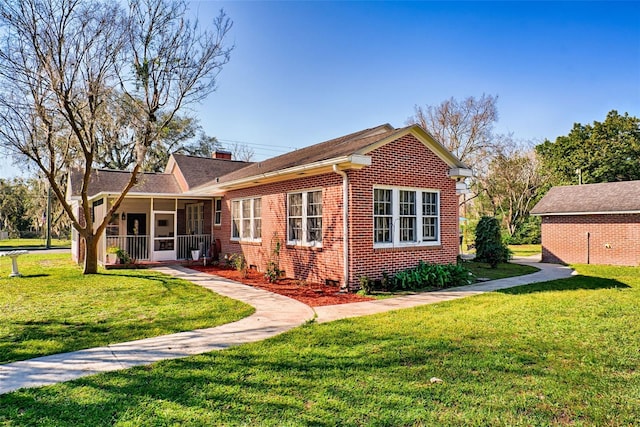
x: 201, y: 170
x: 113, y: 181
x: 603, y: 198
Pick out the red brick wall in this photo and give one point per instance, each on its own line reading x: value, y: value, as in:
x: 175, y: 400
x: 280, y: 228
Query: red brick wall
x: 613, y: 239
x: 304, y: 263
x: 405, y: 162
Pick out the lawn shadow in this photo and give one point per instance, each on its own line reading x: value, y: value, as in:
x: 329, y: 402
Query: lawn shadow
x: 31, y: 276
x: 571, y: 284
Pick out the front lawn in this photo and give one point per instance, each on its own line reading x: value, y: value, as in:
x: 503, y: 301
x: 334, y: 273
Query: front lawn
x: 53, y: 308
x: 504, y: 270
x: 554, y: 354
x: 10, y: 244
x: 525, y: 250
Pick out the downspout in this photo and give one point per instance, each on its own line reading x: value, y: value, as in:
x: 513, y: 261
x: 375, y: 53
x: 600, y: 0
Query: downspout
x: 345, y: 223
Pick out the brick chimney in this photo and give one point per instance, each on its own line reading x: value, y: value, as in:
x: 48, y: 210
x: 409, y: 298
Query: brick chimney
x: 224, y: 155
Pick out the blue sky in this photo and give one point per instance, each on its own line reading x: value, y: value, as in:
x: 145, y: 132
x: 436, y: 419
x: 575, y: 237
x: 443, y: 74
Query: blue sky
x: 304, y: 72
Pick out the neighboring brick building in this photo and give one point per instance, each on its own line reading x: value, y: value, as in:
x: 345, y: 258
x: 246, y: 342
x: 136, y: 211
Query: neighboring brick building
x: 591, y: 224
x: 399, y: 184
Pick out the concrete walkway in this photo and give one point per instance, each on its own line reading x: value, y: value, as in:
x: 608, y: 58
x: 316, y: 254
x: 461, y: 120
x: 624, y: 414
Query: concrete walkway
x: 274, y: 314
x: 547, y: 272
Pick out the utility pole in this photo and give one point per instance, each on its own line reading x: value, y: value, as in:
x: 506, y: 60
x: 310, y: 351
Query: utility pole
x: 49, y: 217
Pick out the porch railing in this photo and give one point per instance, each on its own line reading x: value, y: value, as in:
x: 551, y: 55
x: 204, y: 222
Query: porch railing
x: 193, y: 241
x: 136, y: 246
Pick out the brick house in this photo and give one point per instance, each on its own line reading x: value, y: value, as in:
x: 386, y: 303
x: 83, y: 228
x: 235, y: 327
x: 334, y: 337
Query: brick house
x: 591, y: 224
x: 401, y: 205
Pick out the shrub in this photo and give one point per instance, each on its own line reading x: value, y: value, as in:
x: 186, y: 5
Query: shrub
x: 528, y: 233
x: 489, y: 246
x: 366, y: 284
x: 239, y: 262
x: 273, y: 272
x: 426, y: 275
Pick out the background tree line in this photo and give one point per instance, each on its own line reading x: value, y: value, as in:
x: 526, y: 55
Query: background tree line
x: 511, y: 175
x: 100, y: 84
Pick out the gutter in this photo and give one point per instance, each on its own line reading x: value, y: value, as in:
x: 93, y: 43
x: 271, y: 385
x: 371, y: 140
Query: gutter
x: 345, y: 224
x: 353, y: 161
x: 632, y: 212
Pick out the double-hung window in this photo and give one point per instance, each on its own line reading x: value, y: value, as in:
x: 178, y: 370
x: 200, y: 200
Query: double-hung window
x: 246, y: 219
x: 405, y: 217
x: 304, y: 218
x: 217, y: 211
x: 195, y: 218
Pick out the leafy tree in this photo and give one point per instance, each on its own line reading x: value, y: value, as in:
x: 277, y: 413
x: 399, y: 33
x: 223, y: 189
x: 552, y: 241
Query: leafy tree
x: 489, y: 246
x: 64, y: 62
x: 599, y: 152
x: 14, y: 206
x: 178, y: 136
x: 514, y: 183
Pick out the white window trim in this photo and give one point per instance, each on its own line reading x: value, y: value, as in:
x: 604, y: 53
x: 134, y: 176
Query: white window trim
x: 216, y: 212
x: 252, y: 238
x: 305, y: 205
x: 395, y: 221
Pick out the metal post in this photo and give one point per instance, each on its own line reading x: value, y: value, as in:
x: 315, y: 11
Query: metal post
x: 49, y: 217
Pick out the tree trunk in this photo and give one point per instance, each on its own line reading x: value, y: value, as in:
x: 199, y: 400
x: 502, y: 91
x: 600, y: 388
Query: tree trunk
x: 91, y: 255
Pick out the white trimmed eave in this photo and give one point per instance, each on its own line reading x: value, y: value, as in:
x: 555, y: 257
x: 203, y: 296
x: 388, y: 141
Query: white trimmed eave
x: 141, y: 196
x: 351, y: 162
x: 585, y: 213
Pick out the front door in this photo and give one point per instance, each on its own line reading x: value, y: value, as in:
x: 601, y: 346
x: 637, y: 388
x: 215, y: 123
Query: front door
x: 164, y: 240
x: 137, y: 235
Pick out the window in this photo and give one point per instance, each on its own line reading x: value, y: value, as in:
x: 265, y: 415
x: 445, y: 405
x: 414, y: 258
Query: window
x: 195, y: 218
x: 246, y: 221
x: 304, y: 218
x: 382, y: 215
x: 217, y: 214
x: 405, y: 217
x: 429, y: 216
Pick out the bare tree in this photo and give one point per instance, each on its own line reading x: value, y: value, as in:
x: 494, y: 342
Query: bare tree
x: 464, y: 127
x: 242, y: 152
x: 63, y: 62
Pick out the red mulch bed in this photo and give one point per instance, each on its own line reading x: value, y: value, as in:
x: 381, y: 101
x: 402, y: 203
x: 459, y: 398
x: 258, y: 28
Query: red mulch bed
x: 312, y: 294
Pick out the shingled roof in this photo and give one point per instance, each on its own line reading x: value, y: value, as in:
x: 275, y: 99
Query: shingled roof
x: 337, y: 147
x: 604, y: 198
x: 201, y: 170
x: 113, y: 181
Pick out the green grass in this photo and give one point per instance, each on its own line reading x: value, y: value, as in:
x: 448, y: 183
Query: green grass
x: 503, y: 270
x: 478, y: 269
x: 33, y: 243
x: 525, y: 250
x: 555, y: 354
x: 53, y: 308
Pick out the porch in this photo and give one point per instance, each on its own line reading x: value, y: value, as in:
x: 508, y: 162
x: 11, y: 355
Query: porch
x: 148, y: 248
x: 157, y: 229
